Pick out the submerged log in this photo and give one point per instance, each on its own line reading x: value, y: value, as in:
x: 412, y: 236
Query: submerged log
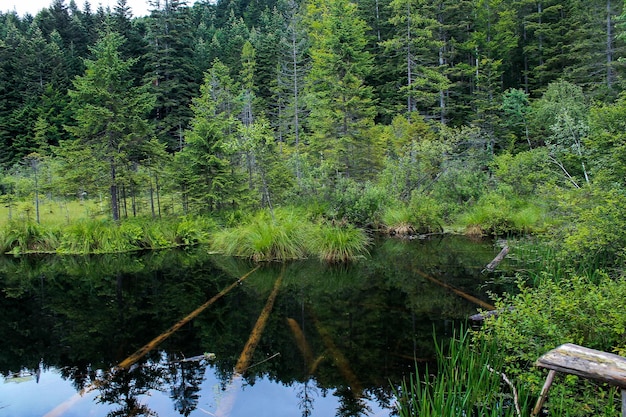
x: 491, y: 266
x: 458, y: 292
x: 126, y: 363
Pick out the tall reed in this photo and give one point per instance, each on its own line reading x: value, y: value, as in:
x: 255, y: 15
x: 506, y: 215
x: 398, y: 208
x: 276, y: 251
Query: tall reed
x: 468, y: 382
x: 336, y: 244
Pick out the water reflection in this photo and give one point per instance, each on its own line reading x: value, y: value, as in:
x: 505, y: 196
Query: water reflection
x: 334, y: 343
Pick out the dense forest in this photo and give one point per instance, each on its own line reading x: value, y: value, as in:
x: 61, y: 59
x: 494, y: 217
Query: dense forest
x: 505, y: 116
x: 491, y: 117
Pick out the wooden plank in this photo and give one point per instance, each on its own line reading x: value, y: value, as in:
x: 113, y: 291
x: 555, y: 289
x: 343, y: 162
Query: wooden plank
x: 587, y: 363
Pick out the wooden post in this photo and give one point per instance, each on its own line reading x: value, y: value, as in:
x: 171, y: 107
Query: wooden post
x: 544, y: 393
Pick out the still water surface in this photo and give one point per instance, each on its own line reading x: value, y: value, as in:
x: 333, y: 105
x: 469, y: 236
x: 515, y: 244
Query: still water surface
x: 334, y: 340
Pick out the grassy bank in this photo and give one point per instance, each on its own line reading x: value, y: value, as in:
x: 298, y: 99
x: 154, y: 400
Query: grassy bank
x: 283, y: 234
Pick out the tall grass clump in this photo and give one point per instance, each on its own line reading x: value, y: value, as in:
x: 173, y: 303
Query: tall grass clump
x: 335, y: 244
x: 86, y: 236
x: 423, y: 214
x: 267, y: 236
x: 21, y: 236
x: 468, y: 382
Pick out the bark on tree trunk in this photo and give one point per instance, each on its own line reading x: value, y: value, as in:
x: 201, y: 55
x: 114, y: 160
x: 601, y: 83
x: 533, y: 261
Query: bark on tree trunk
x: 114, y: 205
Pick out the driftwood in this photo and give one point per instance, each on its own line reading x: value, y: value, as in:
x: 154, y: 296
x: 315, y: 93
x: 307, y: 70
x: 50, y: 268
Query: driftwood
x: 126, y: 363
x: 491, y: 266
x: 456, y: 291
x: 227, y: 402
x: 586, y: 363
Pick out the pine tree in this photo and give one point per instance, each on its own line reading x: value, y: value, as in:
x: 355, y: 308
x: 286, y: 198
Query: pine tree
x: 170, y: 69
x: 340, y: 103
x: 110, y: 114
x: 209, y: 184
x: 417, y: 48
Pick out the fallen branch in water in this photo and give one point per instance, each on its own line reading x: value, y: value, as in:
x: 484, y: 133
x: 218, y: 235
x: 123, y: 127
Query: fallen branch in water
x: 226, y: 404
x: 491, y: 266
x: 126, y: 363
x: 456, y: 291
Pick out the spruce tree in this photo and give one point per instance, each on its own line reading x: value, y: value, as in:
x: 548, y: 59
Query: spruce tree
x: 341, y: 105
x: 110, y: 114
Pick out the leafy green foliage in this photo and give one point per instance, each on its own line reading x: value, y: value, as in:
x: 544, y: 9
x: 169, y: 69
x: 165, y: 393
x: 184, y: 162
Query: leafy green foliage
x: 595, y: 233
x: 356, y: 203
x: 573, y: 310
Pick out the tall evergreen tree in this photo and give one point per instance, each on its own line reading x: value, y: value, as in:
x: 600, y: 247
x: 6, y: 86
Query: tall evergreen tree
x: 170, y: 69
x: 207, y: 149
x: 340, y: 103
x: 418, y: 50
x: 110, y: 114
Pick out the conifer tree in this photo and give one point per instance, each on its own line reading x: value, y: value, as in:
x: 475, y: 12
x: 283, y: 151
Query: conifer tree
x: 418, y: 48
x: 110, y: 114
x: 170, y: 69
x: 340, y: 103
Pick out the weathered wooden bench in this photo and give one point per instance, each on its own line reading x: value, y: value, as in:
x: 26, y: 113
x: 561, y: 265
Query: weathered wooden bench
x: 584, y: 362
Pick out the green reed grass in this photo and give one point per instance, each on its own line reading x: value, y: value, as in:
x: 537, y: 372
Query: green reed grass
x: 289, y: 234
x: 267, y: 236
x: 103, y: 236
x: 468, y: 382
x: 336, y: 244
x: 25, y: 236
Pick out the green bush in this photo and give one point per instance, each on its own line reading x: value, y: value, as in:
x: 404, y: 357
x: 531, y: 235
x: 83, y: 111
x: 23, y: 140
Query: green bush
x: 527, y: 173
x: 359, y: 204
x: 595, y: 232
x: 193, y: 230
x: 578, y: 310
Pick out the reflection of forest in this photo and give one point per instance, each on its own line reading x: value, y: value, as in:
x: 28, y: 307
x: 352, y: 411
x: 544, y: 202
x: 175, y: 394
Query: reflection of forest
x: 350, y: 330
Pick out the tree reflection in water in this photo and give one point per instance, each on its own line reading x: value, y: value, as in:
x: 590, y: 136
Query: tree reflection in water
x: 338, y: 330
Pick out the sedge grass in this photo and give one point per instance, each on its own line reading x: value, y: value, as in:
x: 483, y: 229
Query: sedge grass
x: 339, y: 244
x: 468, y: 382
x: 265, y: 237
x: 288, y: 235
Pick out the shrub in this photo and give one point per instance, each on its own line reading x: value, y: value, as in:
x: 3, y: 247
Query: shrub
x: 356, y: 203
x: 576, y: 310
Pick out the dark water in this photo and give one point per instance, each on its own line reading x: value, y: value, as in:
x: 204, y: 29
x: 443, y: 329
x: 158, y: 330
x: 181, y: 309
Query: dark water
x: 336, y: 341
